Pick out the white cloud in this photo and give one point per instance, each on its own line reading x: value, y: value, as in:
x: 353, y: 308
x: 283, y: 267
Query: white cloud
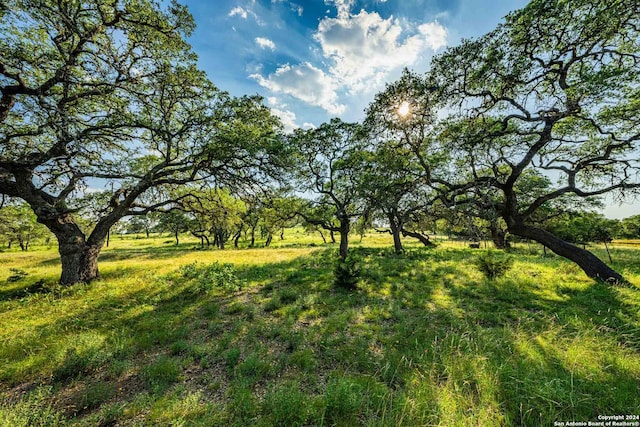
x: 244, y: 14
x: 435, y: 35
x: 343, y: 6
x: 361, y: 52
x: 365, y: 48
x: 306, y: 83
x: 239, y: 11
x: 265, y: 43
x: 288, y: 119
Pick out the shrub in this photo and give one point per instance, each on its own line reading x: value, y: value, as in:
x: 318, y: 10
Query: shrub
x: 492, y: 266
x: 209, y: 276
x: 347, y: 273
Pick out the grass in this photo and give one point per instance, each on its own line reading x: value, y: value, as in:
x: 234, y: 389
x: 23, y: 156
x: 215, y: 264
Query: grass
x: 425, y: 339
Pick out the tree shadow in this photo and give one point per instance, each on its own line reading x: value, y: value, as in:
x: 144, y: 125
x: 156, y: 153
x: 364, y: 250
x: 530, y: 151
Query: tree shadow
x: 420, y: 323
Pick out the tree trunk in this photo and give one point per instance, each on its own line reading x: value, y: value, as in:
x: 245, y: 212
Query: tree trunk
x: 220, y: 238
x: 499, y: 237
x: 79, y: 259
x: 344, y: 238
x: 253, y: 237
x: 282, y: 234
x: 395, y: 232
x: 268, y: 241
x: 608, y: 253
x: 333, y: 237
x: 79, y: 256
x: 176, y: 236
x: 236, y: 239
x: 324, y: 239
x: 588, y: 262
x: 423, y: 239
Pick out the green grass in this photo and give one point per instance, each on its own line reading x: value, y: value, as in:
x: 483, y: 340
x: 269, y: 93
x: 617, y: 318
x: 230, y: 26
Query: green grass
x: 425, y: 339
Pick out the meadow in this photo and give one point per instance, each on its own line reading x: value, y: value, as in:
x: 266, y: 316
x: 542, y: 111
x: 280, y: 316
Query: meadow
x: 183, y: 336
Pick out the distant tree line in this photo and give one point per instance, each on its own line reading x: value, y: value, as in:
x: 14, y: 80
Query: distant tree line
x: 517, y: 133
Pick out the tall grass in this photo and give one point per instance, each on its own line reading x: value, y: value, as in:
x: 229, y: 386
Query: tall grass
x: 425, y: 339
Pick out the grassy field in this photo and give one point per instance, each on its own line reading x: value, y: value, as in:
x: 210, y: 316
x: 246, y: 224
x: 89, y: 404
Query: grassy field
x: 171, y: 335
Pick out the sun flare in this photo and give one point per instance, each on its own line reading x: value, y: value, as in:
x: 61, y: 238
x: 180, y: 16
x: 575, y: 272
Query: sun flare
x: 404, y: 109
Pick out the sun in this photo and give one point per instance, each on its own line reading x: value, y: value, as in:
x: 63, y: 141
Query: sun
x: 404, y: 109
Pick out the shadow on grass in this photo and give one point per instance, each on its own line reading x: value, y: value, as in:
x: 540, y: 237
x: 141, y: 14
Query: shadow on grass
x: 422, y: 337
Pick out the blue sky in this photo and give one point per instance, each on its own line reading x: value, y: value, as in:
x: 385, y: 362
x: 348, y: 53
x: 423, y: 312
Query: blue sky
x: 317, y: 59
x: 314, y: 60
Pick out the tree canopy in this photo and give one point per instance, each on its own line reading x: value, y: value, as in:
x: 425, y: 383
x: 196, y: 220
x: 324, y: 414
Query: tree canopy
x: 107, y: 93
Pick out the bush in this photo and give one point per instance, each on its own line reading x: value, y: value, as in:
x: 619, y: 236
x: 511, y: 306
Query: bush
x: 209, y: 276
x: 493, y: 267
x: 347, y: 273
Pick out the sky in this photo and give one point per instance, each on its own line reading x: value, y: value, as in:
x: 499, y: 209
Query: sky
x: 313, y: 60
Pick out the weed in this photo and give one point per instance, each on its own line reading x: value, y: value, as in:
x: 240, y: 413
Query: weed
x: 243, y: 405
x: 179, y: 347
x: 211, y: 276
x: 304, y: 360
x: 96, y: 394
x: 16, y: 275
x: 254, y: 368
x: 158, y: 376
x: 343, y: 399
x: 288, y: 295
x: 286, y: 405
x: 34, y: 410
x: 272, y: 304
x: 347, y: 273
x: 492, y: 266
x: 110, y: 414
x: 72, y: 365
x: 231, y: 357
x: 235, y: 308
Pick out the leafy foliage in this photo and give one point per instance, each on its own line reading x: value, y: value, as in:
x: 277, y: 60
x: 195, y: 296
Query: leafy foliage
x: 347, y: 272
x: 211, y: 276
x: 492, y: 266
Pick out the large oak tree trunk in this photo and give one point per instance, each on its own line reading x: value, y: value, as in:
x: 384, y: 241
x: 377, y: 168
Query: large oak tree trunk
x: 499, y: 237
x: 344, y: 238
x: 395, y: 232
x: 79, y: 263
x: 79, y: 257
x: 588, y: 262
